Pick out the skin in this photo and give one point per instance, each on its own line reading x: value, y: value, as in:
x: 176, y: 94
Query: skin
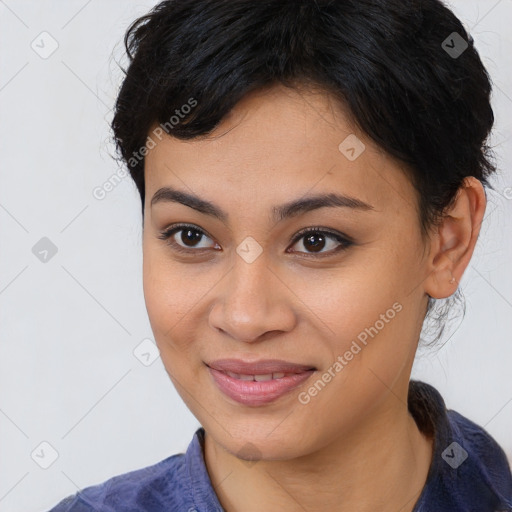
x: 277, y: 145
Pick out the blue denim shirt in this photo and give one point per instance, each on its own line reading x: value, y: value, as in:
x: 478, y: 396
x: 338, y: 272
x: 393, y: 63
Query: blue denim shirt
x: 469, y: 472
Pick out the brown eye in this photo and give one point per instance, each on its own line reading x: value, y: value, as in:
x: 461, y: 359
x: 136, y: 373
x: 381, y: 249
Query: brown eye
x: 190, y: 237
x: 315, y: 240
x: 185, y: 238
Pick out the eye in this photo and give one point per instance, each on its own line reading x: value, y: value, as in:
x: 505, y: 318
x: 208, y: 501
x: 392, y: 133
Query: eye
x: 188, y: 240
x: 315, y: 240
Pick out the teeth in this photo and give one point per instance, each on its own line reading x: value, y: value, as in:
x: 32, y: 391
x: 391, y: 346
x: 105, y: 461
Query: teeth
x: 258, y: 378
x: 243, y: 377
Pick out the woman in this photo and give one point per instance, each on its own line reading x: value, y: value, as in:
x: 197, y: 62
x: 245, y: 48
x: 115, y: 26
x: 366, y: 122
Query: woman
x: 312, y: 177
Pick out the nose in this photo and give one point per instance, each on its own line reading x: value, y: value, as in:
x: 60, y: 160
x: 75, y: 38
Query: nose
x: 253, y: 303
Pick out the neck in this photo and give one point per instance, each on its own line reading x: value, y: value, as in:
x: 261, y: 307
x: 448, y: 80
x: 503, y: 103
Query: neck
x: 381, y: 465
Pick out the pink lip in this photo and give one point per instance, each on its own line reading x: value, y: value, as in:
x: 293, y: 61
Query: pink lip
x: 254, y: 393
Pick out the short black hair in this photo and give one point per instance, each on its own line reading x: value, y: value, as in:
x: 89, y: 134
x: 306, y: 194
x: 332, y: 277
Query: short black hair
x: 406, y: 71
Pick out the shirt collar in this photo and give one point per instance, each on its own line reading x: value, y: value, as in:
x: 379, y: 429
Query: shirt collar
x: 201, y: 492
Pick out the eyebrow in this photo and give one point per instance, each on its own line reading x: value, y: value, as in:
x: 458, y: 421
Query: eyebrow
x: 287, y: 210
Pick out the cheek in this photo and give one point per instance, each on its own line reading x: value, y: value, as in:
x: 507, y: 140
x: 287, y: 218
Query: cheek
x: 364, y: 317
x: 366, y: 352
x: 166, y: 294
x: 345, y: 301
x: 175, y: 295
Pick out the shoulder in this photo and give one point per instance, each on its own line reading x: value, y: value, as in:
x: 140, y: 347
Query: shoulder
x: 482, y: 460
x: 469, y: 470
x: 179, y: 483
x: 154, y: 488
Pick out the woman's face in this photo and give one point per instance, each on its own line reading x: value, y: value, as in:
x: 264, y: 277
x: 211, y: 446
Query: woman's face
x: 247, y: 287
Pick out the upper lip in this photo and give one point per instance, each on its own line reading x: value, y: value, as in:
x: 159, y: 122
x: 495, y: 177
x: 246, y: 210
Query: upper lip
x: 262, y: 367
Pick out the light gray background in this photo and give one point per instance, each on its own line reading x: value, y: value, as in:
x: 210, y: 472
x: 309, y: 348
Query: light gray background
x: 69, y: 326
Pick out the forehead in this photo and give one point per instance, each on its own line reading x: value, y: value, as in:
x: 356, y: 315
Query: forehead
x: 276, y: 144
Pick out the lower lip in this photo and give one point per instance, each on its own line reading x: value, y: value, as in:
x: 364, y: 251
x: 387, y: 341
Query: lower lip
x: 252, y: 393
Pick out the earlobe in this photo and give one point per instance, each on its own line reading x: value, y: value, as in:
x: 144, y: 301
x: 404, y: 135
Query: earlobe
x: 455, y: 239
x: 441, y: 283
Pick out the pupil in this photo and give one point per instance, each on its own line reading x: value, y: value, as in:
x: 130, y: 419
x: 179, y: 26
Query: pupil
x: 316, y: 246
x: 186, y: 234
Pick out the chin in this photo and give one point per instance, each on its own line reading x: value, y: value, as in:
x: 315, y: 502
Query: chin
x: 259, y: 441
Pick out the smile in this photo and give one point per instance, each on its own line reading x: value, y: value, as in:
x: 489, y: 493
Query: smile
x: 257, y: 390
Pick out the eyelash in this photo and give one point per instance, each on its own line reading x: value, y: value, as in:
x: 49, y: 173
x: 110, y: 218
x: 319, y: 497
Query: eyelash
x: 342, y: 239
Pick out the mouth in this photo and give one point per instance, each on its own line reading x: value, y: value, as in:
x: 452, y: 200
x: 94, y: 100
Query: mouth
x: 259, y: 378
x: 263, y: 367
x: 257, y: 383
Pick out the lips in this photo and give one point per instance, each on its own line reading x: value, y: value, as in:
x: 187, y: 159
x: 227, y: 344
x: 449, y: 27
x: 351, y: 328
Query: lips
x: 260, y: 382
x: 262, y: 367
x: 256, y: 393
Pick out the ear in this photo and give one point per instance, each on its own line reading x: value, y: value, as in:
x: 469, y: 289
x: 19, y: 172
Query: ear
x: 454, y: 241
